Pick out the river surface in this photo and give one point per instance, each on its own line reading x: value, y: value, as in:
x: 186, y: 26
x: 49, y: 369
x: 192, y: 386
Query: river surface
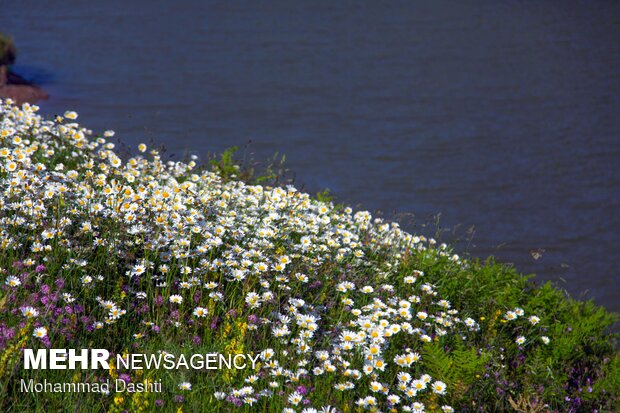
x: 503, y: 117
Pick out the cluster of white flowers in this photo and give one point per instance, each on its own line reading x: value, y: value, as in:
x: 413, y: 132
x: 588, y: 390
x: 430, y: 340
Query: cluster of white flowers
x: 221, y: 238
x: 515, y: 314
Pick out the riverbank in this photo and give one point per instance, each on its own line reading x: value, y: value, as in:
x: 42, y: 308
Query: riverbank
x: 347, y: 312
x: 15, y: 87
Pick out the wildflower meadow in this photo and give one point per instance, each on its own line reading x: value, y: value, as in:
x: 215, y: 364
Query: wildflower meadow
x: 343, y: 312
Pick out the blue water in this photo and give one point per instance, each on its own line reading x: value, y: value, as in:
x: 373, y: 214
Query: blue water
x: 501, y: 116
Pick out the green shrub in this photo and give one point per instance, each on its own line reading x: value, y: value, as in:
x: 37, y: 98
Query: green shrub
x: 8, y: 51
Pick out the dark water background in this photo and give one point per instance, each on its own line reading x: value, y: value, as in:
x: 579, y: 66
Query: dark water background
x: 501, y: 116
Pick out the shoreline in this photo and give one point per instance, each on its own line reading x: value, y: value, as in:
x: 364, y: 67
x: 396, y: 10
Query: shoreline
x: 13, y: 86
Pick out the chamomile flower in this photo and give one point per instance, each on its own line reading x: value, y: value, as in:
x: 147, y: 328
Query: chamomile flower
x: 29, y: 312
x: 175, y: 299
x: 71, y: 115
x: 439, y: 387
x: 510, y: 315
x: 200, y: 312
x: 295, y: 398
x: 253, y: 300
x: 40, y: 332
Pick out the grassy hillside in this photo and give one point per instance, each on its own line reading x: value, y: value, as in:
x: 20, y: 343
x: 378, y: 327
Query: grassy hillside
x: 346, y: 312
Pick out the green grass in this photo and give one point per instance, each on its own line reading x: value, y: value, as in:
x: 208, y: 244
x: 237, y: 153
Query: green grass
x: 580, y: 362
